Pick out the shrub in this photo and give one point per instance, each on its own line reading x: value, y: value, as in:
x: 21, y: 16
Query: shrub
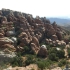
x: 62, y: 63
x: 60, y: 53
x: 30, y: 60
x: 41, y: 65
x: 17, y: 61
x: 52, y: 50
x: 53, y: 57
x: 26, y: 48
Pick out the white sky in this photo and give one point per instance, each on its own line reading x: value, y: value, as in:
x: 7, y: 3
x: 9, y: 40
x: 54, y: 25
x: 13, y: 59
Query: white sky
x: 48, y: 8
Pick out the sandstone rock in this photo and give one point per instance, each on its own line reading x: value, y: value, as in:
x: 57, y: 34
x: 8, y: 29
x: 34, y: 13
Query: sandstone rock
x: 19, y: 49
x: 29, y: 67
x: 51, y: 32
x: 54, y: 37
x: 5, y: 40
x: 34, y: 48
x: 69, y: 43
x: 59, y: 35
x: 2, y: 31
x: 23, y: 35
x: 4, y: 19
x: 25, y: 40
x: 35, y: 41
x: 63, y: 43
x: 10, y: 33
x: 8, y: 46
x: 47, y: 41
x: 42, y: 52
x: 1, y: 35
x: 28, y: 30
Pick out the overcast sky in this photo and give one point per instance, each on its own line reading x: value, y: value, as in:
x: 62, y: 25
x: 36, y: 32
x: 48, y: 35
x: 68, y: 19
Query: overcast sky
x: 48, y: 8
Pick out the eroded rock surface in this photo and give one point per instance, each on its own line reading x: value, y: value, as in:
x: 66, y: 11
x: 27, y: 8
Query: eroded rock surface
x: 20, y: 29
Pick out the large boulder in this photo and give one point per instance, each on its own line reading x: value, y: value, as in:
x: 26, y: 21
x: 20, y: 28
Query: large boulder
x: 34, y: 48
x: 54, y: 37
x: 51, y: 32
x: 43, y: 51
x: 59, y: 35
x: 35, y: 41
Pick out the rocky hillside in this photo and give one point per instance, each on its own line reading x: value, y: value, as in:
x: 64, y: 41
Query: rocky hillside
x: 20, y: 29
x: 20, y: 32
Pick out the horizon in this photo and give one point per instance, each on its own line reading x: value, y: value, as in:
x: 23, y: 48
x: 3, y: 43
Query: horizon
x: 42, y: 8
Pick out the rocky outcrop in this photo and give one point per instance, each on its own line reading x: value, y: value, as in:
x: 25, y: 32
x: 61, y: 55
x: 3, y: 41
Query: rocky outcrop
x: 19, y: 29
x: 29, y: 67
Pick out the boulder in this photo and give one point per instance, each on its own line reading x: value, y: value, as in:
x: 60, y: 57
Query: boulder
x: 51, y: 32
x: 43, y: 52
x: 54, y: 37
x: 34, y: 48
x: 35, y: 41
x: 10, y: 33
x: 23, y: 35
x: 1, y: 35
x: 59, y: 35
x: 3, y: 19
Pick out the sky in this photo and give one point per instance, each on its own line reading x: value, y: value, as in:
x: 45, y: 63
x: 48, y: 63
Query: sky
x: 42, y: 8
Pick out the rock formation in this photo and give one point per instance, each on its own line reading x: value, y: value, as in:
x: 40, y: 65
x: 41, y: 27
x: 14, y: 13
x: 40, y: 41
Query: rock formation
x: 20, y: 29
x: 43, y: 51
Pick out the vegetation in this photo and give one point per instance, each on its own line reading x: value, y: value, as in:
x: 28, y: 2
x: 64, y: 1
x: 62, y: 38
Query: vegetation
x: 42, y: 64
x: 54, y: 55
x: 60, y: 54
x: 62, y: 63
x: 30, y: 59
x: 68, y: 52
x: 17, y: 61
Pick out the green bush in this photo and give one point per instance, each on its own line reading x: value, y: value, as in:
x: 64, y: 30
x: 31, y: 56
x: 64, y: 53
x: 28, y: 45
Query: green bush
x: 52, y: 50
x: 60, y: 53
x: 17, y: 61
x: 53, y: 57
x: 30, y: 60
x: 26, y: 48
x: 62, y: 63
x: 42, y: 64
